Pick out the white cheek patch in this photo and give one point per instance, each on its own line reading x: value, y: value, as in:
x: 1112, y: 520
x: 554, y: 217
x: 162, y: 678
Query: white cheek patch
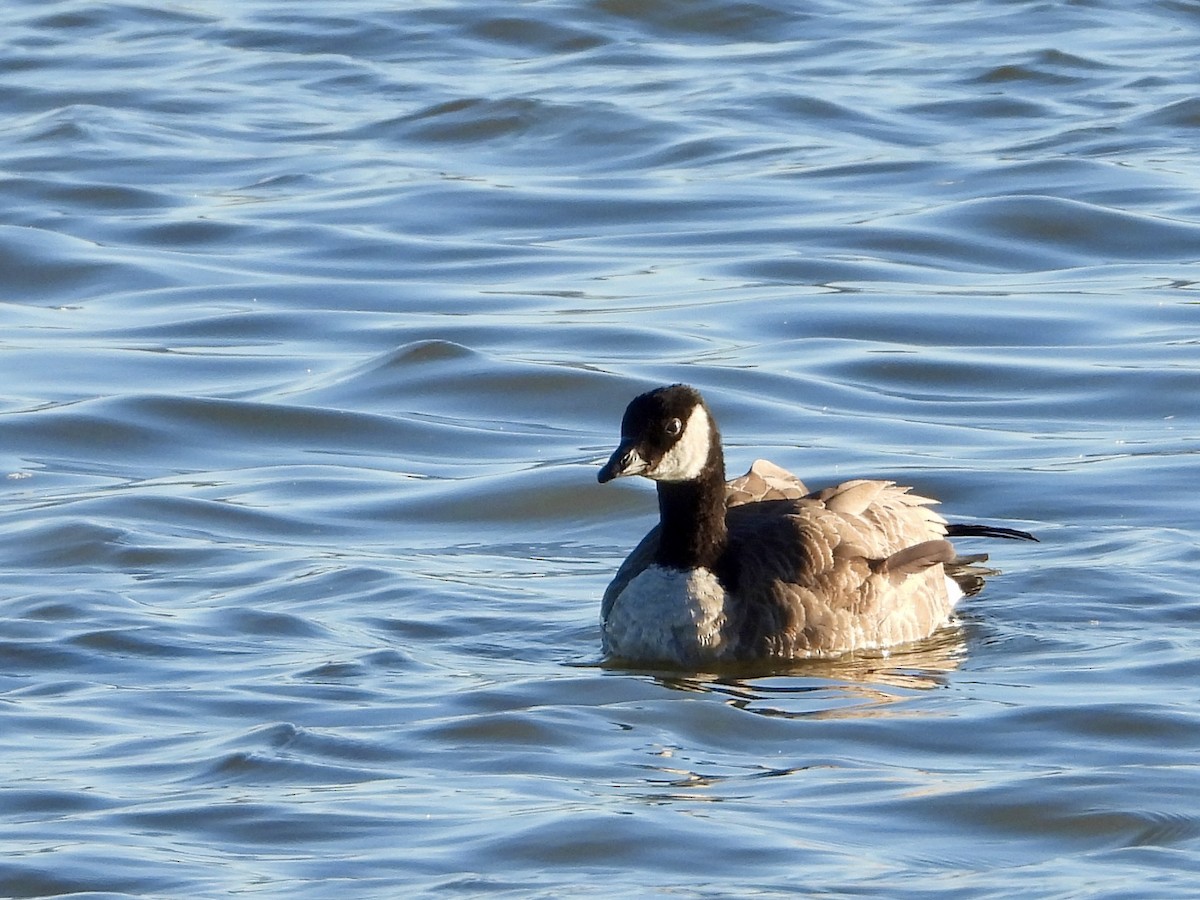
x: 686, y: 459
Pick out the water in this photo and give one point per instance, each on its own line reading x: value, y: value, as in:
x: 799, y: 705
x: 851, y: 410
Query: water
x: 318, y: 319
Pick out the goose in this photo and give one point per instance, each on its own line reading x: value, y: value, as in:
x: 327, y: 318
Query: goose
x: 760, y: 568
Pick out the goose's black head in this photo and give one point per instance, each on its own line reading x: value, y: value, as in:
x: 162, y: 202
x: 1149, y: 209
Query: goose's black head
x: 667, y: 435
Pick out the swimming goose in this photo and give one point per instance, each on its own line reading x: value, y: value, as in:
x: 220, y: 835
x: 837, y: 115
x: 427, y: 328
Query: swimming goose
x: 761, y: 568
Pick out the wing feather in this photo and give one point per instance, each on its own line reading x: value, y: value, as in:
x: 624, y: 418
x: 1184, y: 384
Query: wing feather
x: 854, y: 566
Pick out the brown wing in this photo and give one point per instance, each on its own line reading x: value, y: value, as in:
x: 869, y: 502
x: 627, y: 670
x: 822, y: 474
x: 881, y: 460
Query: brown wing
x: 763, y: 481
x: 853, y: 566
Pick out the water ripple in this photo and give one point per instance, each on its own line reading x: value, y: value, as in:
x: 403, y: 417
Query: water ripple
x: 319, y: 320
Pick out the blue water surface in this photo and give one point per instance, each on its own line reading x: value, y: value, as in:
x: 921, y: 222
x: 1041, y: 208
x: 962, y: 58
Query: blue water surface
x: 318, y: 319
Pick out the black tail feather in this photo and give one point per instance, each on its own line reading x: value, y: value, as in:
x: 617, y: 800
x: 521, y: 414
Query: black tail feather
x: 992, y: 531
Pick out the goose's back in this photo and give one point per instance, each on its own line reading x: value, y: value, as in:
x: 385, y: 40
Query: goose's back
x: 814, y: 576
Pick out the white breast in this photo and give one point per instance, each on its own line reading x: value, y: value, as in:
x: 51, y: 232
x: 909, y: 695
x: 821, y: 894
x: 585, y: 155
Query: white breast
x: 668, y: 615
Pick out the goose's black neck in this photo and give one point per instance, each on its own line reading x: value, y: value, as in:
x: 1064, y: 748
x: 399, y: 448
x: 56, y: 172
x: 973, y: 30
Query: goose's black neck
x: 692, y: 515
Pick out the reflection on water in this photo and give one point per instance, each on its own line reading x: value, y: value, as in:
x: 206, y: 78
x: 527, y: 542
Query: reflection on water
x: 676, y: 778
x: 861, y: 686
x: 857, y: 685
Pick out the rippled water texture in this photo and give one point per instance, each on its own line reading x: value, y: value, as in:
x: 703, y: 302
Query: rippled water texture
x: 319, y: 317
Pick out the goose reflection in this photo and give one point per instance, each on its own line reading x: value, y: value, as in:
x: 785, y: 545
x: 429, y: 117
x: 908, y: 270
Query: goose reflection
x: 862, y: 685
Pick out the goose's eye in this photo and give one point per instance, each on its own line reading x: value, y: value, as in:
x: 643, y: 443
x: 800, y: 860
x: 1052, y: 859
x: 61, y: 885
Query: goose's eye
x: 673, y: 427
